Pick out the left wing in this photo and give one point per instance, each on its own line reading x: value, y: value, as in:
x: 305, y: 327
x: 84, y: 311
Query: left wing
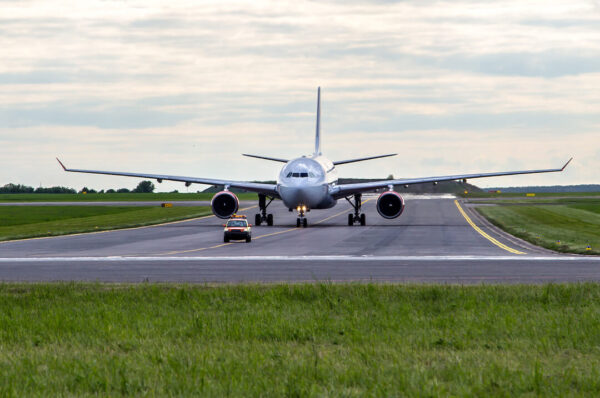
x: 268, y: 189
x: 339, y: 191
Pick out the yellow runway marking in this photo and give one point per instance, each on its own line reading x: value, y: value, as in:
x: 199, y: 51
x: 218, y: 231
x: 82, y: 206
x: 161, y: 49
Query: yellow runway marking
x: 258, y: 237
x: 488, y: 237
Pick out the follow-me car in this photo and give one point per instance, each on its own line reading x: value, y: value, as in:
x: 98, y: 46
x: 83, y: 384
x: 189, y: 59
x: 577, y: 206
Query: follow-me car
x: 310, y: 182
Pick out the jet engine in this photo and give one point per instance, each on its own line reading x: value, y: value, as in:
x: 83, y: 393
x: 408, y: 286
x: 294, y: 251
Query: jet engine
x: 224, y: 204
x: 390, y: 204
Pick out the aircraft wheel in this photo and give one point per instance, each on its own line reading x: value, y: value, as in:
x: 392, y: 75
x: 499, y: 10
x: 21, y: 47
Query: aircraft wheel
x: 248, y: 239
x: 350, y: 220
x: 363, y: 220
x: 257, y: 219
x: 270, y: 220
x: 226, y: 239
x: 297, y: 222
x: 305, y: 223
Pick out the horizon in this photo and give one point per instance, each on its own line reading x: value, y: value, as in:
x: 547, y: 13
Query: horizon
x: 185, y: 88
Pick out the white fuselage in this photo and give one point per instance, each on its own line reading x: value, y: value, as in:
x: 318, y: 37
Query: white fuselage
x: 306, y: 181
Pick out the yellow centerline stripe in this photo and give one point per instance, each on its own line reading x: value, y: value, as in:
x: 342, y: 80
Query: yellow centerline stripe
x: 258, y: 237
x: 488, y: 237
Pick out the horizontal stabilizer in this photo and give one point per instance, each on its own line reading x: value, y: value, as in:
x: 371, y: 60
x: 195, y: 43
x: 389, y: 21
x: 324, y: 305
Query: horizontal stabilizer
x: 361, y: 159
x: 266, y: 158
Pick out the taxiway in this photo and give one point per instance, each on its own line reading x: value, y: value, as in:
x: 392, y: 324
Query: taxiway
x: 435, y: 240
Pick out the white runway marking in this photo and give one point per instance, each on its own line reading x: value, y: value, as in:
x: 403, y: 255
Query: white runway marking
x: 299, y: 258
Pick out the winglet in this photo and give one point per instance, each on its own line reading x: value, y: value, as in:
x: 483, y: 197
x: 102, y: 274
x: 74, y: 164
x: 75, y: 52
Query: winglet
x: 566, y: 164
x: 61, y: 163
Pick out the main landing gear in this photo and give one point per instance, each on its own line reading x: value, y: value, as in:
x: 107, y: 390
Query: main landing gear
x: 261, y: 217
x: 358, y: 216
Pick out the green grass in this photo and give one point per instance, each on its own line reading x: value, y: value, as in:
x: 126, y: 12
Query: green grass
x: 18, y: 222
x: 575, y: 225
x: 523, y: 195
x: 299, y: 340
x: 536, y: 201
x: 110, y: 197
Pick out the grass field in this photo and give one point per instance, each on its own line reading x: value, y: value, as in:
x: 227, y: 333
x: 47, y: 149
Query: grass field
x: 575, y: 225
x: 299, y: 340
x: 538, y: 201
x: 18, y: 222
x: 524, y: 195
x: 114, y: 197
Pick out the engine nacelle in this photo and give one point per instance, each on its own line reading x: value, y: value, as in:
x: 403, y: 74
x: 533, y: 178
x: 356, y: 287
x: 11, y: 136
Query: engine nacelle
x: 224, y: 204
x: 390, y: 204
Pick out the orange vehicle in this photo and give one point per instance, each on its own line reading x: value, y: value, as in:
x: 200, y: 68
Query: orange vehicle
x: 237, y: 228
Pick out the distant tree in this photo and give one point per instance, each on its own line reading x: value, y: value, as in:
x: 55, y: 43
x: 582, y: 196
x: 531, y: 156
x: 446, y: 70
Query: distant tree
x: 144, y: 187
x: 174, y: 191
x: 123, y: 190
x: 55, y: 190
x: 110, y: 191
x: 84, y: 190
x: 16, y: 188
x: 101, y: 191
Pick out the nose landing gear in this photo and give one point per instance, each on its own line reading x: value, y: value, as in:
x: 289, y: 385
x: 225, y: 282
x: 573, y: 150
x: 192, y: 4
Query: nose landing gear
x: 301, y: 221
x: 261, y: 217
x: 358, y: 216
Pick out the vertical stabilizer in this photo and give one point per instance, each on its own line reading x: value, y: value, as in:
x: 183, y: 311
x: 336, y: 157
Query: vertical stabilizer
x: 318, y: 130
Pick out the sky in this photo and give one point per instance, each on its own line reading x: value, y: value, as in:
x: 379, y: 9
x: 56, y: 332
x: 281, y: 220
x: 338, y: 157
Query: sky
x: 185, y: 87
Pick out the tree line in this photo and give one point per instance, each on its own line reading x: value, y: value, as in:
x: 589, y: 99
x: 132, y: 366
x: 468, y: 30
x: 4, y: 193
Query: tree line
x: 142, y: 187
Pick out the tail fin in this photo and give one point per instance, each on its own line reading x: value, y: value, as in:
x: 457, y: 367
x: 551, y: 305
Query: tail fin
x: 318, y: 130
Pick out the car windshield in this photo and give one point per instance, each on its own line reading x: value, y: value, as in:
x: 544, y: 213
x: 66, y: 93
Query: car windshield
x: 236, y: 223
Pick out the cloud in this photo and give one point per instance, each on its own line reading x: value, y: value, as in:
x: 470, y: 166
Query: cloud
x: 184, y: 85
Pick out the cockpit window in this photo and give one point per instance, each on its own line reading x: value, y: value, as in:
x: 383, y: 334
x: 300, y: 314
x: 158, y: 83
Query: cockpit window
x: 301, y: 175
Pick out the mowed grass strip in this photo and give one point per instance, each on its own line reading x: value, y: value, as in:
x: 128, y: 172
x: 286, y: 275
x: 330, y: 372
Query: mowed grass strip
x: 524, y: 194
x: 575, y: 225
x: 18, y: 222
x: 113, y: 197
x: 299, y: 340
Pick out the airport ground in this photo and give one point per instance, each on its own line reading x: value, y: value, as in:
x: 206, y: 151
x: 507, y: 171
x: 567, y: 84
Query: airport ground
x: 461, y: 337
x: 435, y: 240
x: 299, y: 340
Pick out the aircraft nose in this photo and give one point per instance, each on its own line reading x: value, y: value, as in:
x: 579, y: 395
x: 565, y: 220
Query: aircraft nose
x: 291, y: 195
x: 296, y: 196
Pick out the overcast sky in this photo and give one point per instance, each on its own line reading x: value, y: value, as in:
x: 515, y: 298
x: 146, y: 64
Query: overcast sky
x: 184, y: 87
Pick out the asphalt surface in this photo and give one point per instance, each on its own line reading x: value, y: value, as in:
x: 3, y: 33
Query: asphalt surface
x: 186, y: 203
x: 431, y: 242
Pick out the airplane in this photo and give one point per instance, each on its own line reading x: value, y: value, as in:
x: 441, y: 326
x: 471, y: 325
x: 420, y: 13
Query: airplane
x: 309, y: 183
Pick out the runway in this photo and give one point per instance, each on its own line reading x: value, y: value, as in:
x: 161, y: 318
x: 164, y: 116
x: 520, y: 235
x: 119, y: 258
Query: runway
x: 435, y: 240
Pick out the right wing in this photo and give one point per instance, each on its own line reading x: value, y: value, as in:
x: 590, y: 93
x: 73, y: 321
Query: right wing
x: 339, y: 191
x: 267, y: 189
